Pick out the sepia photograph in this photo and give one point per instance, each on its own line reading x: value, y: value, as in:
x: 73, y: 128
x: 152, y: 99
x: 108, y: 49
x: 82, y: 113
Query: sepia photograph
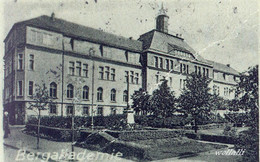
x: 139, y: 80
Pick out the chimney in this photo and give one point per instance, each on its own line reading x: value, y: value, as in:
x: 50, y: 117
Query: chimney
x: 228, y: 65
x: 52, y: 16
x: 177, y: 35
x: 130, y: 38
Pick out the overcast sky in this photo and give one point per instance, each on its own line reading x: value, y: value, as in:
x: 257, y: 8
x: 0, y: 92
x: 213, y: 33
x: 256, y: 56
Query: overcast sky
x: 224, y: 31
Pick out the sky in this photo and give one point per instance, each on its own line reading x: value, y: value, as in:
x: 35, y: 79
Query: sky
x: 222, y: 31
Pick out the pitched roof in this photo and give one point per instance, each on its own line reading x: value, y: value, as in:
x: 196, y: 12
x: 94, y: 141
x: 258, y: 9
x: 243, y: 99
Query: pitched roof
x: 160, y: 41
x: 223, y: 68
x: 83, y: 32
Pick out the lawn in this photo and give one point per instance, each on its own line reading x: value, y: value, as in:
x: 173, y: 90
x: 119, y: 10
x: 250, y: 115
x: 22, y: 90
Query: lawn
x: 176, y: 147
x: 219, y: 131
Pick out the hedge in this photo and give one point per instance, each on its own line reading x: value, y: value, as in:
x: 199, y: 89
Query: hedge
x: 114, y: 122
x: 56, y: 134
x: 212, y: 138
x: 144, y: 134
x: 111, y: 122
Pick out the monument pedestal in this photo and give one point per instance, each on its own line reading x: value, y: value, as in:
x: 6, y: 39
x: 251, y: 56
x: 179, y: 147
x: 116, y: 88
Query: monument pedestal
x: 130, y: 117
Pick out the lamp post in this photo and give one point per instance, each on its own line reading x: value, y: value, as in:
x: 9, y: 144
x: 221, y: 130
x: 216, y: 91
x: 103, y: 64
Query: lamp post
x: 92, y: 98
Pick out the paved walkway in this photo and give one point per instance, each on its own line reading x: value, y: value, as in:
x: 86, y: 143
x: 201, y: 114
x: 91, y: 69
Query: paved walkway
x: 22, y: 147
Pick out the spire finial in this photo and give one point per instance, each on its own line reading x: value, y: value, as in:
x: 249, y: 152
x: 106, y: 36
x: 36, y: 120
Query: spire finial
x: 162, y: 11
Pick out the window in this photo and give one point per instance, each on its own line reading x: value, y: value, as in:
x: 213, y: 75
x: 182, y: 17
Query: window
x: 70, y: 90
x: 78, y: 68
x: 53, y: 90
x: 196, y: 69
x: 99, y: 94
x: 167, y: 64
x: 113, y: 111
x: 132, y: 76
x: 101, y: 50
x: 224, y: 76
x: 126, y: 55
x: 161, y: 63
x: 85, y: 110
x: 125, y: 96
x: 156, y: 61
x: 101, y: 72
x: 71, y: 68
x: 182, y: 84
x: 31, y: 62
x: 126, y: 76
x: 226, y: 92
x: 20, y: 61
x: 113, y: 95
x: 184, y: 68
x: 136, y: 78
x: 85, y: 70
x: 215, y: 90
x: 113, y: 75
x: 157, y: 78
x: 207, y: 72
x: 85, y: 93
x: 170, y: 81
x: 69, y: 110
x: 20, y: 88
x: 171, y: 64
x: 199, y: 68
x: 204, y: 71
x: 30, y: 88
x: 53, y: 109
x: 107, y: 72
x: 100, y: 111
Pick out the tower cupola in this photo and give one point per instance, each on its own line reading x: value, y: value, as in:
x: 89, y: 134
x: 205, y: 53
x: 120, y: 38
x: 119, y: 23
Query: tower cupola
x: 162, y: 21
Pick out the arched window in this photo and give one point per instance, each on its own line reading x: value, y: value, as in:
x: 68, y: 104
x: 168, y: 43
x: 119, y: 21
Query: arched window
x: 85, y: 92
x: 125, y: 96
x: 53, y: 90
x: 100, y: 94
x: 113, y: 95
x: 70, y: 90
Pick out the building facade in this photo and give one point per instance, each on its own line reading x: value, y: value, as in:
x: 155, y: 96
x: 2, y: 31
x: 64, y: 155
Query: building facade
x: 88, y: 69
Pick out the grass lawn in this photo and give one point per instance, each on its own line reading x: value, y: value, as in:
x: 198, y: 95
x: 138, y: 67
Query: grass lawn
x: 173, y: 147
x: 219, y: 131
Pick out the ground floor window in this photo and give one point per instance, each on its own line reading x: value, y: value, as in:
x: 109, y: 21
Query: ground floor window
x: 53, y: 109
x: 113, y: 111
x: 85, y: 110
x: 100, y: 111
x: 69, y: 110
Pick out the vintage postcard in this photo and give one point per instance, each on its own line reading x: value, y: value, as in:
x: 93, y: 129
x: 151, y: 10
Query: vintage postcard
x: 140, y: 80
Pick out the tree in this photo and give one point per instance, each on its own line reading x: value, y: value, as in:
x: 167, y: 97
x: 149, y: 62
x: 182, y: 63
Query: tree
x: 40, y: 102
x: 163, y: 101
x: 141, y: 101
x: 195, y: 97
x: 248, y: 99
x: 76, y: 98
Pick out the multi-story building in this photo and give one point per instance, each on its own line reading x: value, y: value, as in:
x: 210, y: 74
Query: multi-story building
x: 93, y: 66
